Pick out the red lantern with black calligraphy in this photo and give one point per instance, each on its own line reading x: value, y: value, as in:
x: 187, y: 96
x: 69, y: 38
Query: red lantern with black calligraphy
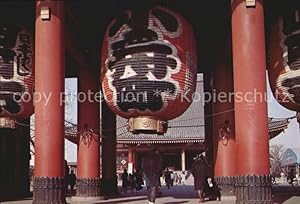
x: 149, y: 65
x: 284, y: 58
x: 16, y: 74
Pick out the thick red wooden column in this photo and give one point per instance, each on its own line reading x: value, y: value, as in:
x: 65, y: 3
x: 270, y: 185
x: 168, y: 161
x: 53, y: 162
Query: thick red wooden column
x: 251, y: 123
x: 134, y: 159
x: 88, y: 157
x: 223, y: 122
x: 109, y: 151
x: 49, y: 107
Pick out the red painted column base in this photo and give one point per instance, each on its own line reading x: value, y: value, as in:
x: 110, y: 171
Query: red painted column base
x: 88, y: 187
x: 49, y: 190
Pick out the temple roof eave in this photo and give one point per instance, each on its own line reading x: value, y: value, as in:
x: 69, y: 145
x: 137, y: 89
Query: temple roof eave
x: 125, y: 141
x: 275, y: 127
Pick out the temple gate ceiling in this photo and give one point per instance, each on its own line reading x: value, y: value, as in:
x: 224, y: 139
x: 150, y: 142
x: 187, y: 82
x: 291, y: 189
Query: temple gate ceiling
x: 86, y: 22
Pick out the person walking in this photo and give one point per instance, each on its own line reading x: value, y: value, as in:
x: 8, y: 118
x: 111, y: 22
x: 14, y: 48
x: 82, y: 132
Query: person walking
x: 179, y: 179
x: 139, y: 181
x: 175, y: 178
x: 131, y: 182
x: 172, y: 178
x: 291, y: 176
x: 66, y: 185
x: 72, y: 181
x: 168, y: 178
x: 152, y: 168
x: 183, y: 177
x: 200, y: 172
x: 125, y: 182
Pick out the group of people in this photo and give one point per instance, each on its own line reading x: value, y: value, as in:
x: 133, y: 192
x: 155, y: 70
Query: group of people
x: 132, y: 181
x: 204, y: 184
x: 172, y: 178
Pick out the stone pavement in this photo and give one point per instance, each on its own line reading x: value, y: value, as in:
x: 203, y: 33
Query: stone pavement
x: 179, y: 194
x: 184, y: 194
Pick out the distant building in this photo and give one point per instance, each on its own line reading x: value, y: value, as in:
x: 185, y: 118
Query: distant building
x: 291, y: 157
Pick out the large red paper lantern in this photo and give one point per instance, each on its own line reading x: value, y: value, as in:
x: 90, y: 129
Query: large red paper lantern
x: 149, y: 66
x: 284, y: 59
x: 16, y: 74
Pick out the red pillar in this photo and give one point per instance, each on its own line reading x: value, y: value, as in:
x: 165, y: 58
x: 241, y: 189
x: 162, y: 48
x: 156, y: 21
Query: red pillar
x: 223, y: 111
x: 130, y: 159
x: 49, y: 108
x: 249, y: 63
x: 88, y: 159
x: 134, y: 159
x: 109, y: 151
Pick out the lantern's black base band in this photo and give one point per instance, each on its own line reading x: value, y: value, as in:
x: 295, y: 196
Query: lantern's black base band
x: 48, y: 190
x: 88, y: 187
x: 226, y: 184
x: 253, y: 189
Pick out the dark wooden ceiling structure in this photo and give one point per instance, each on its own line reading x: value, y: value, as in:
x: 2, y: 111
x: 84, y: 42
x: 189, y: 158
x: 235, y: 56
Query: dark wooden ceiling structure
x: 209, y: 19
x: 86, y: 22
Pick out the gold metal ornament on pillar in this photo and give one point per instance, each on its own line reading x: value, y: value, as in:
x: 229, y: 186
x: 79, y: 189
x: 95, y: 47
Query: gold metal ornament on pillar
x: 45, y: 13
x: 250, y: 3
x: 224, y: 132
x: 86, y: 135
x: 6, y: 122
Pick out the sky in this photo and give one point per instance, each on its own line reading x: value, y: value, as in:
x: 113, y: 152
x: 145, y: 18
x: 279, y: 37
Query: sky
x: 290, y: 138
x: 71, y: 116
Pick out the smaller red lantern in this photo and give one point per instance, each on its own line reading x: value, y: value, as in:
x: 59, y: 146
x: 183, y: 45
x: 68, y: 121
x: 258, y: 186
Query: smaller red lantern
x: 284, y: 59
x: 16, y: 74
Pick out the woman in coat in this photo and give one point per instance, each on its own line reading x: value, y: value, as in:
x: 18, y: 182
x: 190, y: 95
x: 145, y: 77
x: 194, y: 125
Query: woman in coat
x: 200, y: 173
x: 152, y: 167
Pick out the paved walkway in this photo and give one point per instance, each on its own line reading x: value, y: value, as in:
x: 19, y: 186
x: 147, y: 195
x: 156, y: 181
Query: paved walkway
x: 185, y: 194
x: 179, y: 194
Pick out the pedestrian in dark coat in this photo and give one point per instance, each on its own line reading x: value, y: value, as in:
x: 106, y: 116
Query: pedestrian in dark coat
x: 71, y: 181
x: 152, y: 167
x: 125, y: 182
x: 212, y: 190
x: 168, y: 178
x: 200, y: 172
x: 139, y: 181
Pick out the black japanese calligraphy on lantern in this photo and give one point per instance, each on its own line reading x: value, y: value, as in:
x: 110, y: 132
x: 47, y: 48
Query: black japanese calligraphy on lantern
x: 11, y: 88
x: 291, y: 31
x: 8, y: 37
x: 24, y: 55
x: 141, y: 62
x: 290, y: 37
